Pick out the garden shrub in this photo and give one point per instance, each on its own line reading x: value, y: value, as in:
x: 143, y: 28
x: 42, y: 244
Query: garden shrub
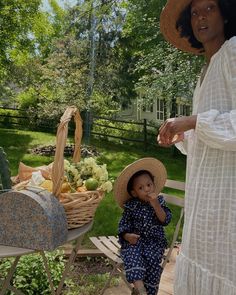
x: 30, y: 275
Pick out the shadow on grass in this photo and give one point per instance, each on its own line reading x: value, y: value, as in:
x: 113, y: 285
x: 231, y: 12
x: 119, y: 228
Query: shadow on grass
x: 117, y: 156
x: 16, y: 144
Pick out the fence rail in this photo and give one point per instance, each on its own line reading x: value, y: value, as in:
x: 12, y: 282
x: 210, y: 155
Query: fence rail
x: 112, y: 129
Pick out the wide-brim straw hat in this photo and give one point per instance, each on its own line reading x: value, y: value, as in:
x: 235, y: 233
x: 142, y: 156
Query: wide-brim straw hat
x: 169, y: 16
x: 154, y: 166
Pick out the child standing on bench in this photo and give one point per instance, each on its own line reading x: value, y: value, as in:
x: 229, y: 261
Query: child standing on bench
x: 141, y: 232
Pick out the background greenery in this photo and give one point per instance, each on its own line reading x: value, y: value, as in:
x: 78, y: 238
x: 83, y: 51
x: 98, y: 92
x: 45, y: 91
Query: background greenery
x: 99, y: 55
x: 18, y: 144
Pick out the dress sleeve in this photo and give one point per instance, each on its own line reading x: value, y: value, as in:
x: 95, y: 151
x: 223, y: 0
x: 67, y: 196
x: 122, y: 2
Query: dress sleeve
x: 166, y: 209
x: 217, y: 129
x: 125, y: 224
x: 182, y: 146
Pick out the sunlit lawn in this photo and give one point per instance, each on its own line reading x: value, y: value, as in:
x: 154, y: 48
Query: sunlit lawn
x: 17, y: 144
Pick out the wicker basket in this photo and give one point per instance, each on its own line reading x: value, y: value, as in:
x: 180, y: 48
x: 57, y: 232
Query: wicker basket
x: 80, y: 207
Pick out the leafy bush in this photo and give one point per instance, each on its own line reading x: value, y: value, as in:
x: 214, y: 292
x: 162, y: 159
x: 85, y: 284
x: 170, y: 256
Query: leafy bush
x: 90, y: 284
x: 30, y: 275
x: 118, y: 129
x: 27, y: 118
x: 8, y: 117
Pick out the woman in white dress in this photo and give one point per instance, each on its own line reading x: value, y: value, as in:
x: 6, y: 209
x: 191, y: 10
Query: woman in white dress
x: 207, y: 261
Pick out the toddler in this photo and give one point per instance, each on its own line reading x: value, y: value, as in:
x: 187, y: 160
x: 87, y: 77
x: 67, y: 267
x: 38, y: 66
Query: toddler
x: 141, y: 232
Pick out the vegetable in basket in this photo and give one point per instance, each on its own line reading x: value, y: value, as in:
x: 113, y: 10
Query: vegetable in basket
x: 87, y: 174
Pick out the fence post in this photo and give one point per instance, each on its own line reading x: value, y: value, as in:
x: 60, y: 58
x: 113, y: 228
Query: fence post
x: 145, y: 133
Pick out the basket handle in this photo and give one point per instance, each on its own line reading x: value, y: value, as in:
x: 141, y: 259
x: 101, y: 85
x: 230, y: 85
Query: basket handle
x: 62, y: 132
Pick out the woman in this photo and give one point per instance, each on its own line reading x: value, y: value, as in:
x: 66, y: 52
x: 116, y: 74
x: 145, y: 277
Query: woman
x: 207, y: 262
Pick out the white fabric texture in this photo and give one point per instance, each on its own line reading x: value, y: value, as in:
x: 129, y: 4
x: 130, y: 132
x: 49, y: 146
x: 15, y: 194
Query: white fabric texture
x: 207, y: 261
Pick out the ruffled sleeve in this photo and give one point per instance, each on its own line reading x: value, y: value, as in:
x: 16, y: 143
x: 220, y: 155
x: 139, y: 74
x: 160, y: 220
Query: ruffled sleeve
x: 182, y: 146
x: 125, y: 224
x: 218, y: 129
x: 166, y: 209
x: 215, y: 129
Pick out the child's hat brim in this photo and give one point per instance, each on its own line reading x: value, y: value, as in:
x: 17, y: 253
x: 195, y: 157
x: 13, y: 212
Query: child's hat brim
x: 154, y: 166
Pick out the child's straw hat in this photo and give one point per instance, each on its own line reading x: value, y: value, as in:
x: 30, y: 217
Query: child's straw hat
x: 154, y: 166
x: 169, y: 16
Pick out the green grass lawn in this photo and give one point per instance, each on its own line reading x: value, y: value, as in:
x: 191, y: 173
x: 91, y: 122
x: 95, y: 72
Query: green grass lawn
x: 17, y: 145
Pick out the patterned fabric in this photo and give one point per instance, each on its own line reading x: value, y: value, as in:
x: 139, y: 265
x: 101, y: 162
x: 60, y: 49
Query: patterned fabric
x: 142, y: 260
x: 139, y: 292
x: 207, y: 262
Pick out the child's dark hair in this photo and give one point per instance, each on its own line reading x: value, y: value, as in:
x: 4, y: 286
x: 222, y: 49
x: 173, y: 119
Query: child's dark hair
x: 228, y: 12
x: 134, y: 176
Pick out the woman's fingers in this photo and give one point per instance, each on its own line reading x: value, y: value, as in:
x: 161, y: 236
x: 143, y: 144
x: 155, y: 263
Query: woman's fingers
x: 171, y: 129
x: 166, y: 132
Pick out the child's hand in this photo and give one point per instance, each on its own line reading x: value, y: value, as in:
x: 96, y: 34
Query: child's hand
x: 131, y: 238
x: 154, y: 202
x: 152, y: 198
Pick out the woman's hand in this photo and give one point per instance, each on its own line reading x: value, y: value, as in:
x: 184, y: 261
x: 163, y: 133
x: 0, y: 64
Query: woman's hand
x: 172, y: 130
x: 131, y: 238
x: 177, y: 138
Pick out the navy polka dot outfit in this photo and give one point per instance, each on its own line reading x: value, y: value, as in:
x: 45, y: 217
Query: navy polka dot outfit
x: 142, y: 260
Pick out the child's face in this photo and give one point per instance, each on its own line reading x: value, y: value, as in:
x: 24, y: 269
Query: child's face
x: 142, y: 186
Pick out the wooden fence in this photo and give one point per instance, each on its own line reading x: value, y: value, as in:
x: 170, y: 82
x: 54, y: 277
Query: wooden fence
x: 100, y: 127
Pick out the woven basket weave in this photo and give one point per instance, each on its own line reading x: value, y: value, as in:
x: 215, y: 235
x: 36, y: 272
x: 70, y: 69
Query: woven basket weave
x: 80, y: 207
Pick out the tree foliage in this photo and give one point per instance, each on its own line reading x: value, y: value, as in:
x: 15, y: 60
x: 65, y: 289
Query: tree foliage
x: 69, y: 74
x: 16, y: 17
x: 26, y: 35
x: 98, y: 55
x: 157, y: 69
x: 168, y: 74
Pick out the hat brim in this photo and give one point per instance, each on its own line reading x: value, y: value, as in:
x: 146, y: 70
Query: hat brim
x: 169, y: 16
x: 154, y: 166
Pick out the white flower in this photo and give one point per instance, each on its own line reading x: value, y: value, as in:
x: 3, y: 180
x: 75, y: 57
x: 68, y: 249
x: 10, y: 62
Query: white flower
x: 78, y: 172
x: 79, y: 182
x: 106, y: 186
x: 66, y: 164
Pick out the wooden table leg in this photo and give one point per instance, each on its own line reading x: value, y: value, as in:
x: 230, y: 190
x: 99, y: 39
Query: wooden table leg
x: 69, y: 263
x: 46, y: 266
x: 7, y: 282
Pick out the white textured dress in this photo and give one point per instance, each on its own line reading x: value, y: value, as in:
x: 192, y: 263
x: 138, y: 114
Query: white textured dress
x: 207, y: 261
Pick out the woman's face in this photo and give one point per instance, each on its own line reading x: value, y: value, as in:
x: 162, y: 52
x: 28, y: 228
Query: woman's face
x: 207, y: 22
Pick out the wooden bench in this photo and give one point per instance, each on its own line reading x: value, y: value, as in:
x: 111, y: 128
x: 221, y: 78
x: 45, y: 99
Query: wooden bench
x: 110, y: 247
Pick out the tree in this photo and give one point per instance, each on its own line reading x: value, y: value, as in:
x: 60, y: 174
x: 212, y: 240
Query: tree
x: 16, y: 20
x: 155, y: 68
x: 26, y: 36
x: 57, y: 82
x: 168, y: 74
x: 100, y: 22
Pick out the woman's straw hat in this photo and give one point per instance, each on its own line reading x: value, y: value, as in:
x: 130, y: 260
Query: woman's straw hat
x: 169, y: 16
x: 154, y: 166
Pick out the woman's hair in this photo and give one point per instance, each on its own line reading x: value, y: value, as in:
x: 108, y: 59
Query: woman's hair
x: 134, y: 176
x: 228, y: 12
